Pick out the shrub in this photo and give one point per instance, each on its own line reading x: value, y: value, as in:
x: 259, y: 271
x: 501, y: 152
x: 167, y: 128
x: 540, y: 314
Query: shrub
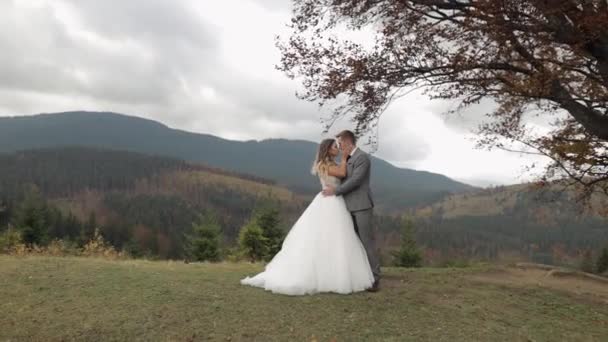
x: 98, y: 247
x: 9, y: 239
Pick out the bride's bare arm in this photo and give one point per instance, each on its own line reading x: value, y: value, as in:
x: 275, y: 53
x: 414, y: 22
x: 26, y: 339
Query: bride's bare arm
x: 339, y: 170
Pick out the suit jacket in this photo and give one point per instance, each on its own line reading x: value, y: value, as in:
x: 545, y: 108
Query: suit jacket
x: 355, y: 187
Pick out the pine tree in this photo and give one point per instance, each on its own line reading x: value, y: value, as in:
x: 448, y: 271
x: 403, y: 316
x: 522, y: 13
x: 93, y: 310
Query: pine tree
x: 204, y: 242
x: 252, y: 242
x: 409, y: 254
x: 268, y: 221
x: 602, y: 261
x: 31, y: 218
x: 133, y: 249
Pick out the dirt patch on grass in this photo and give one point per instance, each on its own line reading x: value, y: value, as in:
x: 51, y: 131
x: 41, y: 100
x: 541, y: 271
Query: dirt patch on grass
x: 573, y: 282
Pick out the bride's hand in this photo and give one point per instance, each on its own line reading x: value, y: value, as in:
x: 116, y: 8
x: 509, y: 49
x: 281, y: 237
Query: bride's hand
x: 329, y: 191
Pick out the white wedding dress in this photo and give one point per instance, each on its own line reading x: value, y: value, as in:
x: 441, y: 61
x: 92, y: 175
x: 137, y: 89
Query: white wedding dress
x: 321, y: 253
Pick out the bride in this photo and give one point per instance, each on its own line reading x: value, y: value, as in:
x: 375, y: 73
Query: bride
x: 322, y: 252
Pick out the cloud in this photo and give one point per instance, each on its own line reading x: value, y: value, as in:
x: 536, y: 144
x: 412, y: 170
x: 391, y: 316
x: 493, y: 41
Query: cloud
x: 402, y: 136
x: 466, y: 120
x: 67, y: 51
x: 469, y: 119
x: 275, y: 5
x: 204, y: 66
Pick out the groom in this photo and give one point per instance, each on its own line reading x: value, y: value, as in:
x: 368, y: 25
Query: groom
x: 358, y: 197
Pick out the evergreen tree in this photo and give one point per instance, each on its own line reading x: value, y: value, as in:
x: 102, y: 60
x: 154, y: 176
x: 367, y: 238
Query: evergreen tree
x: 409, y: 254
x: 602, y: 261
x: 133, y: 249
x: 268, y: 221
x: 252, y: 242
x: 204, y: 242
x: 31, y: 218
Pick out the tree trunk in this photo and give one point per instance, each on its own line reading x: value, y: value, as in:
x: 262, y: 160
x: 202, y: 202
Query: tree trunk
x: 593, y: 121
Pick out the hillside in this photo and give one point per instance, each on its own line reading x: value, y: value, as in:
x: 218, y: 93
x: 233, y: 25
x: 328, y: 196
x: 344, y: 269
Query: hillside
x: 141, y: 203
x: 66, y: 170
x: 545, y: 225
x: 542, y: 205
x: 146, y: 204
x: 58, y: 299
x: 284, y: 161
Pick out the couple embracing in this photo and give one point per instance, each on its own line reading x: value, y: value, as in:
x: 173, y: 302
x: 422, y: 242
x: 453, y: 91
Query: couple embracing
x: 331, y: 247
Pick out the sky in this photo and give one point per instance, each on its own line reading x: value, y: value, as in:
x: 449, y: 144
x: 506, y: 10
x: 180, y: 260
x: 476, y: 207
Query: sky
x: 209, y: 67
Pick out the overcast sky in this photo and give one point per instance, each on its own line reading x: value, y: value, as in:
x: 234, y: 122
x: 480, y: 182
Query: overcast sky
x: 208, y: 67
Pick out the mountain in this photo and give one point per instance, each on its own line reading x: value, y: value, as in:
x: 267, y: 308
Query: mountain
x: 287, y: 162
x: 545, y: 225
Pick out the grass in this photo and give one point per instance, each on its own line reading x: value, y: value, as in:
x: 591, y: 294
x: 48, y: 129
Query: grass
x: 53, y: 299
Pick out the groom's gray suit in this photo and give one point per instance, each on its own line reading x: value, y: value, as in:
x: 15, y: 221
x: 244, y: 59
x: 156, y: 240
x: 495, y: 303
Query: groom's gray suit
x: 358, y: 197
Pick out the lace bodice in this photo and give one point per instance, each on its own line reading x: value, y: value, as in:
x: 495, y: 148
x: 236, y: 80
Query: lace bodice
x: 327, y: 180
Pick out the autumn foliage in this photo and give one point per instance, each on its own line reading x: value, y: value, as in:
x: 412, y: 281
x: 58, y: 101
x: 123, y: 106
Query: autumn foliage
x: 532, y: 58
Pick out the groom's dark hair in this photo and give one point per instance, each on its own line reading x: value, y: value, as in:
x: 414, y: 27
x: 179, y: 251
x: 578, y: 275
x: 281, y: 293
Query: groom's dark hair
x: 346, y: 134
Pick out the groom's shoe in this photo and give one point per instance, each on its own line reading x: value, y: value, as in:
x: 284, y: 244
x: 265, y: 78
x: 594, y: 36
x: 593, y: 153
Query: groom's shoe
x: 375, y: 287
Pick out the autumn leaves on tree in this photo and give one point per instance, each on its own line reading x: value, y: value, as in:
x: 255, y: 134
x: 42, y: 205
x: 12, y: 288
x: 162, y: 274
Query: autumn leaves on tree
x: 543, y: 58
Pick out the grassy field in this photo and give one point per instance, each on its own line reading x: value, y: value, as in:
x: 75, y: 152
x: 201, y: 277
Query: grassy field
x: 54, y: 299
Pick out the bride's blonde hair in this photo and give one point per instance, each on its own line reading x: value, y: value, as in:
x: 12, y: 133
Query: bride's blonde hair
x: 323, y: 160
